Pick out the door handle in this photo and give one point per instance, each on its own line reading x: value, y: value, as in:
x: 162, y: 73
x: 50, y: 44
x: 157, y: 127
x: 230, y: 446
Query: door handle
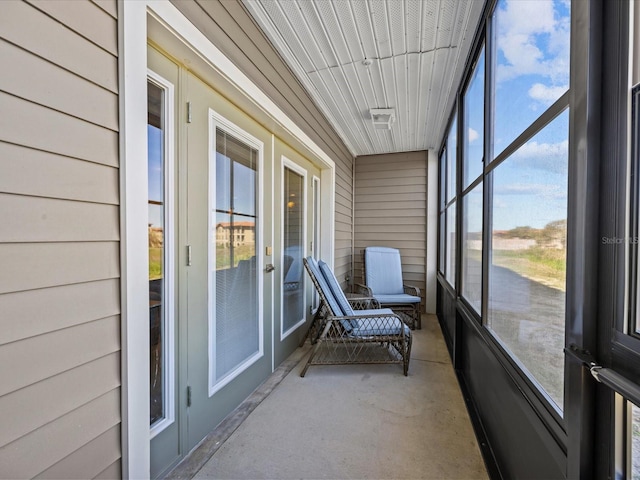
x: 269, y: 268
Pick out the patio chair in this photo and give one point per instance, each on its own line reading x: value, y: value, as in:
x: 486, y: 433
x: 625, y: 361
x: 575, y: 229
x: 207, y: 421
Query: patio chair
x: 382, y: 275
x: 354, y: 336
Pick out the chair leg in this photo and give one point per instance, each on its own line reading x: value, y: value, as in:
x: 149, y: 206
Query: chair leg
x: 406, y: 354
x: 315, y: 348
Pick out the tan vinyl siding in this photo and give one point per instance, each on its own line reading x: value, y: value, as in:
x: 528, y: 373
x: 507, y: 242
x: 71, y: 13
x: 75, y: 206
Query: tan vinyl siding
x: 233, y: 31
x: 83, y: 462
x: 391, y: 210
x: 26, y: 171
x: 111, y: 472
x: 59, y: 244
x: 45, y: 36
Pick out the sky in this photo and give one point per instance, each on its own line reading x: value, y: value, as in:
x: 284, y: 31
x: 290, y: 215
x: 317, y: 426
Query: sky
x: 532, y: 72
x: 155, y: 174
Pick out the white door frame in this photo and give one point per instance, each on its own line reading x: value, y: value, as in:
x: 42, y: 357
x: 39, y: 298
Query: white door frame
x: 132, y: 33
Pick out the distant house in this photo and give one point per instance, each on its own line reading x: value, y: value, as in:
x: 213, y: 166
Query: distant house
x: 236, y: 234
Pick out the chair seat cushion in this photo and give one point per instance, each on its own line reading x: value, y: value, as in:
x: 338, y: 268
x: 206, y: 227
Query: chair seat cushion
x: 368, y: 327
x: 401, y: 298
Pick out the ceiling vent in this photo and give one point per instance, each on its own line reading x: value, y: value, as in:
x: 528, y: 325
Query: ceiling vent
x: 383, y: 118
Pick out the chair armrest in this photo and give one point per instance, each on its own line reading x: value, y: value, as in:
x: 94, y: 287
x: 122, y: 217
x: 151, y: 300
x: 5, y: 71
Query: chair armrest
x: 364, y: 303
x: 362, y: 290
x: 411, y: 290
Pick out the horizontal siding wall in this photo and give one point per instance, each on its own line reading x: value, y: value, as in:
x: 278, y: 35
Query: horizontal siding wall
x: 59, y: 241
x: 230, y: 27
x: 391, y: 211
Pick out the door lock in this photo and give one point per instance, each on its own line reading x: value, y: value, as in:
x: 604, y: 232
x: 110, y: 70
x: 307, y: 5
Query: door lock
x: 269, y: 268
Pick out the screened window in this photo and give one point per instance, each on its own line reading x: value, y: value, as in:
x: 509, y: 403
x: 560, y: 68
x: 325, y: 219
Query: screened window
x: 441, y: 222
x: 527, y: 276
x: 451, y: 160
x: 524, y: 182
x: 451, y: 244
x: 473, y: 108
x: 472, y: 247
x: 531, y: 63
x: 473, y: 126
x: 448, y: 191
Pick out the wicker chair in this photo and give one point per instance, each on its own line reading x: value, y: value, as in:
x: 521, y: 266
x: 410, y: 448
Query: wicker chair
x: 353, y: 336
x: 382, y: 275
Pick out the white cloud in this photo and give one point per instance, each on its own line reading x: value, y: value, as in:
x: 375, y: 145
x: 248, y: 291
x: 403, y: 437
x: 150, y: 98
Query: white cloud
x: 552, y: 157
x: 546, y: 94
x: 534, y: 39
x: 543, y: 190
x: 473, y: 135
x: 534, y: 150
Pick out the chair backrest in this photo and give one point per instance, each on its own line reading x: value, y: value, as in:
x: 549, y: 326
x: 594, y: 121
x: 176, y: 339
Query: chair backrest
x: 383, y: 270
x: 326, y: 292
x: 336, y: 290
x: 311, y: 264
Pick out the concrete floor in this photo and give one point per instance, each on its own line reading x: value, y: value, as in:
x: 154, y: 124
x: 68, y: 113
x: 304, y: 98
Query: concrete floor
x: 358, y: 421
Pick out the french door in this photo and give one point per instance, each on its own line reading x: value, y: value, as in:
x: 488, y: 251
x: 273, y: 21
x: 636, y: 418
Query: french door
x: 210, y: 241
x: 299, y: 236
x: 228, y: 218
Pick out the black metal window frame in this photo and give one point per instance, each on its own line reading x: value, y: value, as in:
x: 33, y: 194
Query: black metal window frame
x: 487, y: 39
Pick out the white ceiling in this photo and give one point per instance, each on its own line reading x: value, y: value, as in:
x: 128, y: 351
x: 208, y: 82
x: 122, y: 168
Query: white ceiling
x: 417, y: 50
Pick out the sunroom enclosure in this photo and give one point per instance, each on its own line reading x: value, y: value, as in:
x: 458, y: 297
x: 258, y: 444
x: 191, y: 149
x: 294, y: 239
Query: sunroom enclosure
x: 537, y: 223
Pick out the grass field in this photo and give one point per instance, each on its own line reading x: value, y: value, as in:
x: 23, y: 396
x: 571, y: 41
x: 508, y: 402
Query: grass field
x: 242, y: 252
x: 155, y: 263
x: 547, y: 266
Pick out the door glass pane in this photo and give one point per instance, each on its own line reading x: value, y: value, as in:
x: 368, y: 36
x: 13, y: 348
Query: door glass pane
x: 293, y: 240
x: 473, y: 129
x: 531, y: 63
x: 528, y: 255
x: 156, y: 172
x: 472, y: 247
x: 235, y: 286
x: 450, y: 242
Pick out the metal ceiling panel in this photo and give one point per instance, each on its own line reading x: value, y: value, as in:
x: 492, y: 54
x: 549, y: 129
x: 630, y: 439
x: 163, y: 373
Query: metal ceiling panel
x: 413, y: 15
x: 289, y: 38
x: 348, y: 25
x: 413, y: 98
x: 334, y: 31
x: 414, y: 54
x: 380, y: 29
x: 444, y: 37
x: 429, y: 24
x: 319, y: 34
x: 362, y: 19
x: 397, y: 26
